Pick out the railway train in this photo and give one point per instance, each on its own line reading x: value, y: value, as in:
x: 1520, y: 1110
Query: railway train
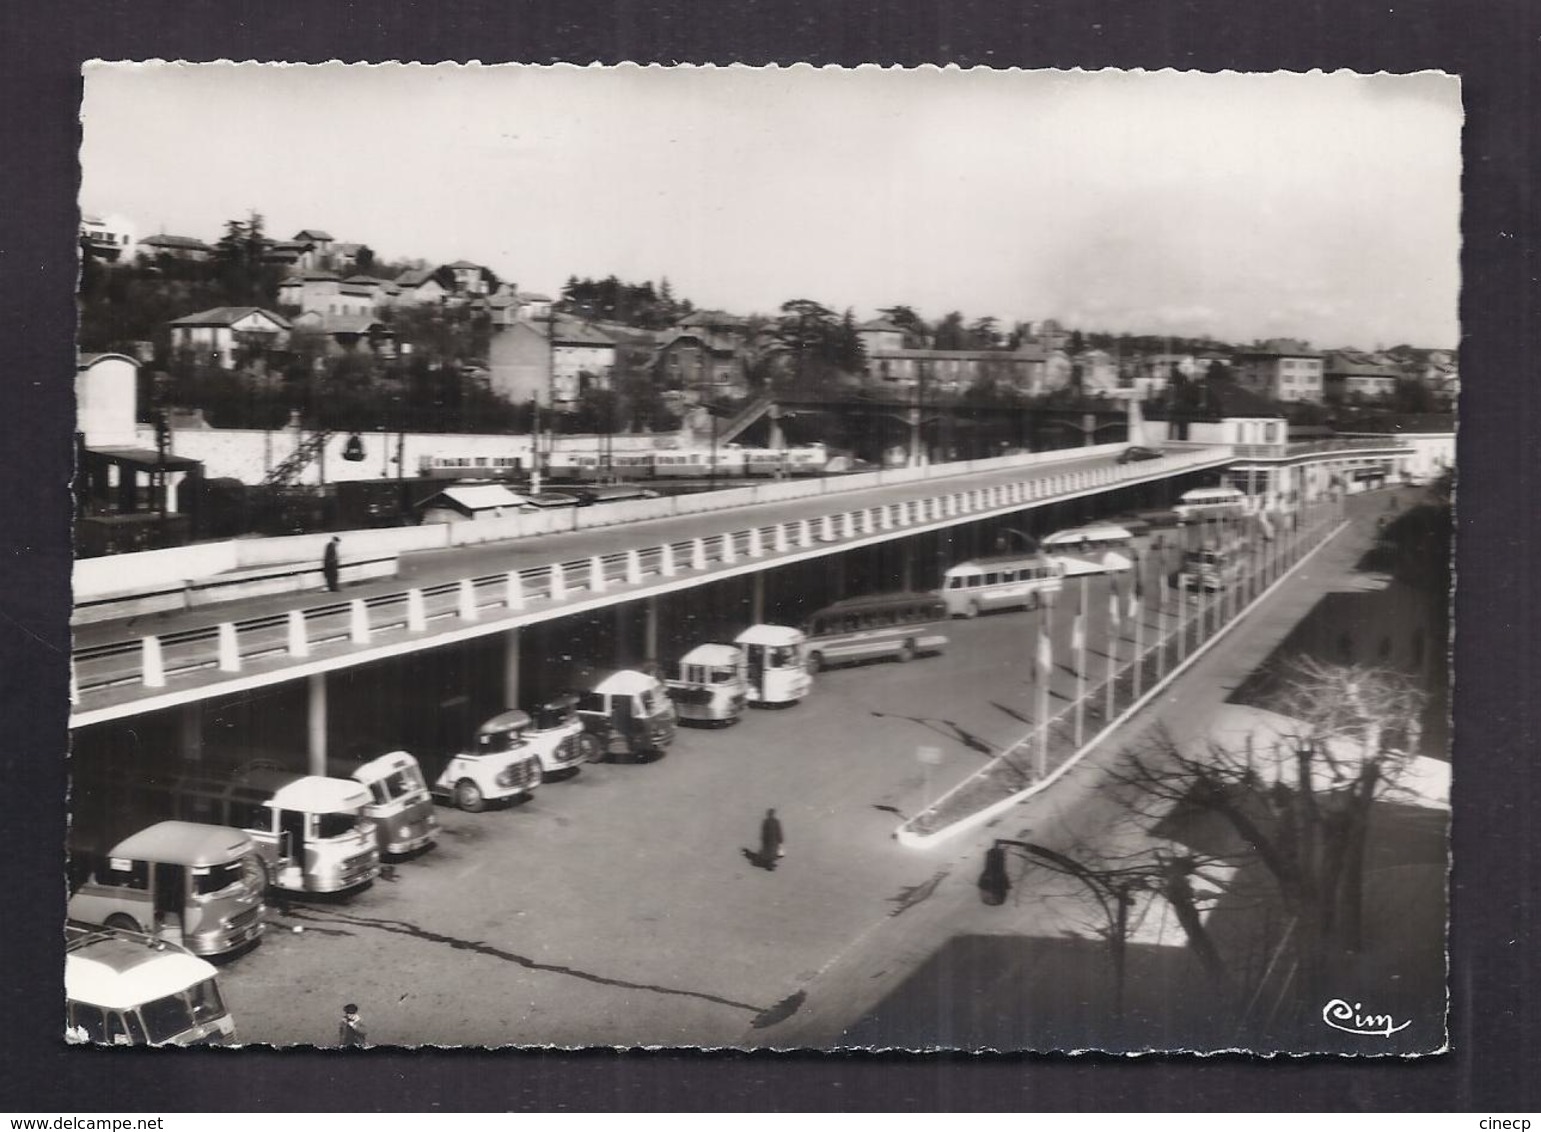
x: 588, y: 466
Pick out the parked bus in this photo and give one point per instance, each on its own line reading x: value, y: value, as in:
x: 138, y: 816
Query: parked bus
x: 1001, y: 581
x: 628, y: 714
x: 1210, y: 503
x: 1102, y: 548
x: 901, y: 626
x: 196, y: 885
x: 711, y: 688
x: 499, y: 765
x: 311, y: 832
x: 775, y: 664
x: 126, y: 988
x: 1213, y: 566
x: 400, y: 805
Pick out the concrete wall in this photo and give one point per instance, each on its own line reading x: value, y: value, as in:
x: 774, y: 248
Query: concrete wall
x: 179, y: 594
x: 151, y: 569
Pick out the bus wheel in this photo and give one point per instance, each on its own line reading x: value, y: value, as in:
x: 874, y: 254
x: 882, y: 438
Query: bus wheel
x: 122, y: 923
x: 468, y: 796
x: 815, y: 662
x: 971, y: 610
x: 906, y: 652
x: 592, y: 749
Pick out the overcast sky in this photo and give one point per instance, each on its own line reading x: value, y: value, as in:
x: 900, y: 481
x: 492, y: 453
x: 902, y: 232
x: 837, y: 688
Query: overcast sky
x: 1317, y: 206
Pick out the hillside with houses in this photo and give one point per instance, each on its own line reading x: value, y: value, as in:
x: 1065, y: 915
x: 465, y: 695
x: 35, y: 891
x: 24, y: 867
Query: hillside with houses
x: 248, y: 330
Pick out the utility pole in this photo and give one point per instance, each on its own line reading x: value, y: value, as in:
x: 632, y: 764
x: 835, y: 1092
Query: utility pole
x: 551, y: 383
x: 162, y: 438
x: 712, y: 471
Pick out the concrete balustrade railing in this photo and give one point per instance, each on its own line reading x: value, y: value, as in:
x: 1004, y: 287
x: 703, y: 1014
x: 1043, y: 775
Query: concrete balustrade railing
x: 466, y: 600
x: 151, y: 663
x: 851, y: 525
x: 229, y: 649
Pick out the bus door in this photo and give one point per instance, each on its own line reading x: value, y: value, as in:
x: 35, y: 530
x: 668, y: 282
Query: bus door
x: 169, y: 893
x: 291, y: 839
x: 624, y: 716
x: 755, y: 656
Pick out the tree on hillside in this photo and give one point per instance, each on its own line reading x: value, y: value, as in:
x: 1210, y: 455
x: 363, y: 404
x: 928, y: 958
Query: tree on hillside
x: 806, y: 330
x: 983, y: 332
x: 950, y: 334
x: 916, y: 332
x: 240, y: 256
x: 1296, y: 804
x: 846, y: 350
x: 1413, y: 396
x: 614, y: 300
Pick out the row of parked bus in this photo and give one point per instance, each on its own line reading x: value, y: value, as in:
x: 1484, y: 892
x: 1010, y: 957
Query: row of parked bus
x: 148, y: 911
x: 1023, y: 580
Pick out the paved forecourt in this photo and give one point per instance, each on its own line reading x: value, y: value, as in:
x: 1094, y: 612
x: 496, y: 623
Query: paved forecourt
x: 617, y: 907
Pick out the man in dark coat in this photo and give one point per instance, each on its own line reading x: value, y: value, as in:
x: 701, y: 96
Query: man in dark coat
x: 350, y: 1031
x: 771, y: 840
x: 329, y: 564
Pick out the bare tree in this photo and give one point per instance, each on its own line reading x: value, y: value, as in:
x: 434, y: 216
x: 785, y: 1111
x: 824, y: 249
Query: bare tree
x: 1295, y: 795
x: 1115, y: 887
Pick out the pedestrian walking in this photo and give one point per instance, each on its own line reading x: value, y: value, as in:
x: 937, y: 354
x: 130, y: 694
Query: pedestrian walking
x: 330, y: 565
x: 772, y: 840
x: 350, y: 1031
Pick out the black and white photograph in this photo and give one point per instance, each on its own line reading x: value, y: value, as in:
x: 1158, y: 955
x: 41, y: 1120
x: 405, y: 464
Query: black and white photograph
x: 763, y: 558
